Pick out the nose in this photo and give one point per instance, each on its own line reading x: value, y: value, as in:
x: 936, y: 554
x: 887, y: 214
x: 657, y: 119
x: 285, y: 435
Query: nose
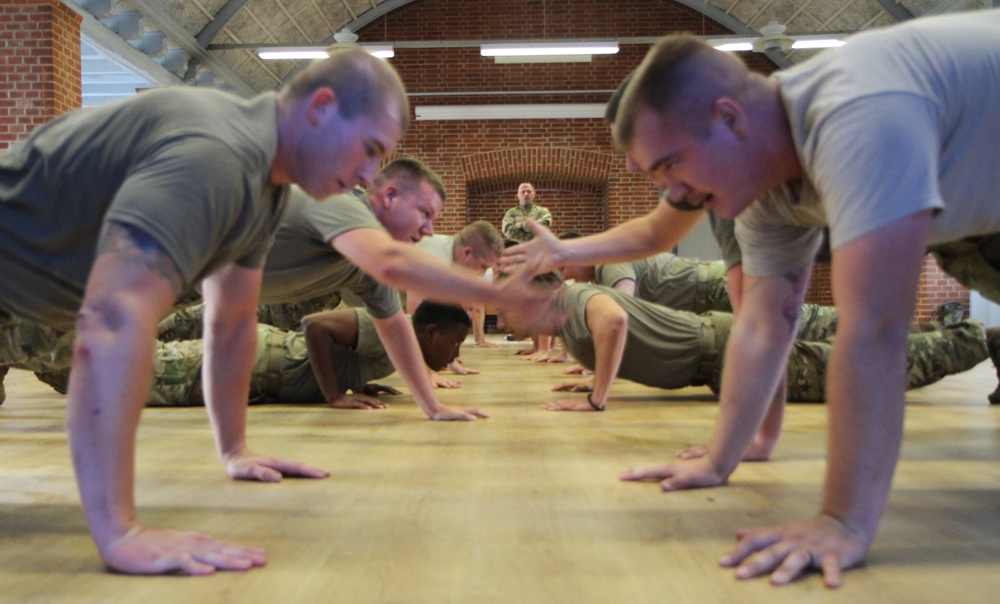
x: 428, y: 229
x: 454, y: 355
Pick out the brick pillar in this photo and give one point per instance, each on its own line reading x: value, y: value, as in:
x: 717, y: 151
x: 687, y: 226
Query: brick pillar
x: 39, y: 65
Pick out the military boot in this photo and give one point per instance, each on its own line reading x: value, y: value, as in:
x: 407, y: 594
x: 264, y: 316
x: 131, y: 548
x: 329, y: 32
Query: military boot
x: 993, y: 346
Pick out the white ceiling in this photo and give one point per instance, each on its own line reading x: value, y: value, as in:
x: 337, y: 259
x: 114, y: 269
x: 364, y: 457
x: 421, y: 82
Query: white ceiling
x: 213, y: 42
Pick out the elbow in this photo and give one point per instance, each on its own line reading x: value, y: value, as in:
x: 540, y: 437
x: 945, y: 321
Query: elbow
x: 392, y: 267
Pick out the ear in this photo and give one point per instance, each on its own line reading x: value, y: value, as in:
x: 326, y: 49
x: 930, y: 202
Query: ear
x: 389, y: 194
x: 320, y: 103
x: 731, y: 114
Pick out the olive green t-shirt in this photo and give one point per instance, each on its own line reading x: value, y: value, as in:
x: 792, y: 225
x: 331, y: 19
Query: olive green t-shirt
x: 303, y: 265
x: 188, y: 167
x: 663, y: 348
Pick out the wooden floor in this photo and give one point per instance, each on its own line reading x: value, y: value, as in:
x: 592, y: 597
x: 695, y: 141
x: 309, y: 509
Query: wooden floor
x: 524, y: 507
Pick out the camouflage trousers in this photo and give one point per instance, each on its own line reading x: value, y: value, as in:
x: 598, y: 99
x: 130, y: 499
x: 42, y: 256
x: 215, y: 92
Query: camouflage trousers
x: 712, y: 289
x: 186, y: 324
x: 930, y: 357
x: 974, y: 262
x: 817, y: 323
x: 177, y: 370
x: 34, y: 347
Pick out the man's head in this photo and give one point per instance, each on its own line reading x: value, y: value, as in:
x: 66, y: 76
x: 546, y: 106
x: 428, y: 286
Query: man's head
x: 525, y: 195
x: 337, y: 119
x: 551, y: 280
x: 440, y: 330
x: 478, y: 246
x: 407, y: 197
x: 684, y: 120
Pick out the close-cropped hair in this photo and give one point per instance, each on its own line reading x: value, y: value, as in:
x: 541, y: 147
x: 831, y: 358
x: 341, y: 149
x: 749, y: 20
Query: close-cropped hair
x: 611, y: 110
x: 409, y: 172
x: 681, y: 75
x: 364, y: 84
x: 445, y: 316
x: 483, y: 238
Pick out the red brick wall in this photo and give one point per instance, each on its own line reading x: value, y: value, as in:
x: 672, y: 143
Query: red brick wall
x: 39, y: 65
x: 935, y: 288
x: 564, y: 186
x: 536, y: 148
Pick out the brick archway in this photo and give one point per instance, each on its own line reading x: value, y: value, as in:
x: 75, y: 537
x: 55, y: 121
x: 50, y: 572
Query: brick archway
x: 571, y: 183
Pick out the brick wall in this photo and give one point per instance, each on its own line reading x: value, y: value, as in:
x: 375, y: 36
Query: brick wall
x: 532, y: 149
x: 535, y: 150
x: 935, y: 288
x: 39, y: 65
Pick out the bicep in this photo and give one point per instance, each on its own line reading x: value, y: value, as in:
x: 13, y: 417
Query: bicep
x: 233, y: 291
x: 875, y: 277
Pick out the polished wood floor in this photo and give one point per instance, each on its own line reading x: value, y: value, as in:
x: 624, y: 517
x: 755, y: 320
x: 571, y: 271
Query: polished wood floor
x: 524, y: 507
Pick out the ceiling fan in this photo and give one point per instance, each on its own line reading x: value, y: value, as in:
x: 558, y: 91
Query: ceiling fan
x: 774, y: 38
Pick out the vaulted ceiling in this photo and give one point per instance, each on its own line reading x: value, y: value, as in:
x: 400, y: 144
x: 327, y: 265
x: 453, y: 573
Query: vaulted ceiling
x: 214, y: 42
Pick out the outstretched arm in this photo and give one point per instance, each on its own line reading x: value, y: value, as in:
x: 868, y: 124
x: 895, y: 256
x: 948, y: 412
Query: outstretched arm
x: 130, y: 287
x: 655, y: 232
x: 414, y: 270
x: 230, y: 346
x: 759, y: 344
x: 875, y: 281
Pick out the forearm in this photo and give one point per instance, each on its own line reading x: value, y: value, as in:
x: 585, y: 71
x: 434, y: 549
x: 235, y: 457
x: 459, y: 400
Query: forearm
x: 396, y: 333
x: 638, y: 238
x: 230, y: 348
x: 609, y: 346
x: 107, y: 390
x: 866, y: 389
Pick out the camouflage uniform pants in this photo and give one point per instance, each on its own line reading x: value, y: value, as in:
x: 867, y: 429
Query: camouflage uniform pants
x: 712, y: 290
x: 974, y: 262
x: 177, y: 371
x: 817, y: 323
x: 930, y: 357
x: 34, y: 347
x: 185, y: 324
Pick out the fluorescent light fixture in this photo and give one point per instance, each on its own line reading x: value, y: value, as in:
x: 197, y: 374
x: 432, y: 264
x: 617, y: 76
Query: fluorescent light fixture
x: 511, y: 112
x: 293, y: 52
x: 726, y: 46
x: 798, y: 43
x: 818, y: 43
x: 517, y: 49
x: 382, y: 51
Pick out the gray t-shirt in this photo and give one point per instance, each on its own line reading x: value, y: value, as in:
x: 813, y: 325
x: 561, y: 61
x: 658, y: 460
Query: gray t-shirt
x: 897, y: 121
x: 663, y: 348
x: 302, y: 264
x: 189, y: 167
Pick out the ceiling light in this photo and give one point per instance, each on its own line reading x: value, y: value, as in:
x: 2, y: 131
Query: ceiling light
x: 517, y: 49
x: 293, y: 52
x: 382, y: 51
x: 818, y: 43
